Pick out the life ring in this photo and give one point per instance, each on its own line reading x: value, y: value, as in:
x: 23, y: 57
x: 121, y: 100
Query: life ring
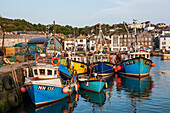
x: 36, y: 61
x: 8, y: 82
x: 52, y: 61
x: 13, y: 99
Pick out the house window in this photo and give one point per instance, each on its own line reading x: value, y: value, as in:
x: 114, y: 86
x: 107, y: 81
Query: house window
x: 163, y: 47
x: 52, y: 41
x: 163, y: 43
x: 81, y: 40
x: 164, y: 38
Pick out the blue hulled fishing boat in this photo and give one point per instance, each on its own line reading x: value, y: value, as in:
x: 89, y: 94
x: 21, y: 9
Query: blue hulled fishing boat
x: 101, y: 62
x: 138, y: 64
x: 46, y: 84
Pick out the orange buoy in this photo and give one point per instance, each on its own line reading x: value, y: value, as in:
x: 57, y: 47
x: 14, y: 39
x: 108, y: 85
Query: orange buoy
x: 78, y: 86
x: 151, y: 67
x: 23, y: 89
x: 69, y: 90
x: 114, y: 67
x: 118, y: 68
x: 153, y: 64
x: 65, y: 90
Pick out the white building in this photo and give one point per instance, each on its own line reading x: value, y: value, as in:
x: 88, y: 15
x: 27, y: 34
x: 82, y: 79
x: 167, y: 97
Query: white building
x: 81, y: 43
x: 76, y: 44
x: 164, y: 42
x: 69, y: 44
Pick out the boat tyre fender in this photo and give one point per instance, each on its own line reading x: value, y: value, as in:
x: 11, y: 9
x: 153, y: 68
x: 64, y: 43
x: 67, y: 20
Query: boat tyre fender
x: 8, y: 82
x: 13, y: 99
x: 36, y: 60
x: 1, y: 84
x: 6, y: 60
x: 52, y: 61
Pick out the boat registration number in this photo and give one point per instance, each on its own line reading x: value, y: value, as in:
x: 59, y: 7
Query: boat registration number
x: 129, y: 63
x: 46, y: 88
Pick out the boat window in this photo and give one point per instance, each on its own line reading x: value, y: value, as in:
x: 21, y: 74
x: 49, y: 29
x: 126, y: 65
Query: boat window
x: 55, y: 72
x: 49, y: 72
x: 147, y: 56
x: 136, y: 56
x: 42, y: 71
x: 74, y: 58
x: 35, y: 72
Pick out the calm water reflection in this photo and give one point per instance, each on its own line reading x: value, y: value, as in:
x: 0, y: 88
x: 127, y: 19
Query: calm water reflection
x: 124, y: 94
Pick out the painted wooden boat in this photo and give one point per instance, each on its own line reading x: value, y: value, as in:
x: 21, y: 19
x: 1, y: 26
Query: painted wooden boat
x: 138, y: 65
x: 101, y: 61
x: 47, y: 86
x: 165, y: 57
x: 79, y: 67
x: 91, y: 84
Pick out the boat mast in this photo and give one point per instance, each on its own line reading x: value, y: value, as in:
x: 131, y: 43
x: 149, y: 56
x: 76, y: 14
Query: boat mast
x: 100, y: 35
x: 135, y: 33
x: 54, y: 37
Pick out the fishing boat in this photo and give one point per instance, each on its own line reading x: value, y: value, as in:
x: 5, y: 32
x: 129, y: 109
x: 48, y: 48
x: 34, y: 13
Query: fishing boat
x: 91, y: 83
x: 46, y: 84
x: 138, y: 64
x: 165, y: 56
x: 79, y: 67
x: 101, y: 61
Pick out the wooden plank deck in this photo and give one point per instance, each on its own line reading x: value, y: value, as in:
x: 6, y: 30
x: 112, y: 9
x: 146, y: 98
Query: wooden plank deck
x: 7, y: 68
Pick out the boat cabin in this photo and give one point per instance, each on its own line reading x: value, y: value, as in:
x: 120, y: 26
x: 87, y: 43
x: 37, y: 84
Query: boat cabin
x: 99, y: 57
x: 44, y: 72
x: 139, y: 54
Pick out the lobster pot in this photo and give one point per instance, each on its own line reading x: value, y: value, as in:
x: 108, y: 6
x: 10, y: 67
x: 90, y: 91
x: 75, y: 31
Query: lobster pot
x: 20, y: 58
x: 1, y: 59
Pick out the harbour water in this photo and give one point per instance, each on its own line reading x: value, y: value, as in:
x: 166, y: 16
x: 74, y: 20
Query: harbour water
x: 124, y: 94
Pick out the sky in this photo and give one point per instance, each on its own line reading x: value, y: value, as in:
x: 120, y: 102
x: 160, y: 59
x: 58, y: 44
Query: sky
x: 81, y: 13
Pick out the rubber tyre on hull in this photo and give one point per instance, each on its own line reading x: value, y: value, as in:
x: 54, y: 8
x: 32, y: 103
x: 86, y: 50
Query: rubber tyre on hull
x: 8, y: 82
x: 13, y: 99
